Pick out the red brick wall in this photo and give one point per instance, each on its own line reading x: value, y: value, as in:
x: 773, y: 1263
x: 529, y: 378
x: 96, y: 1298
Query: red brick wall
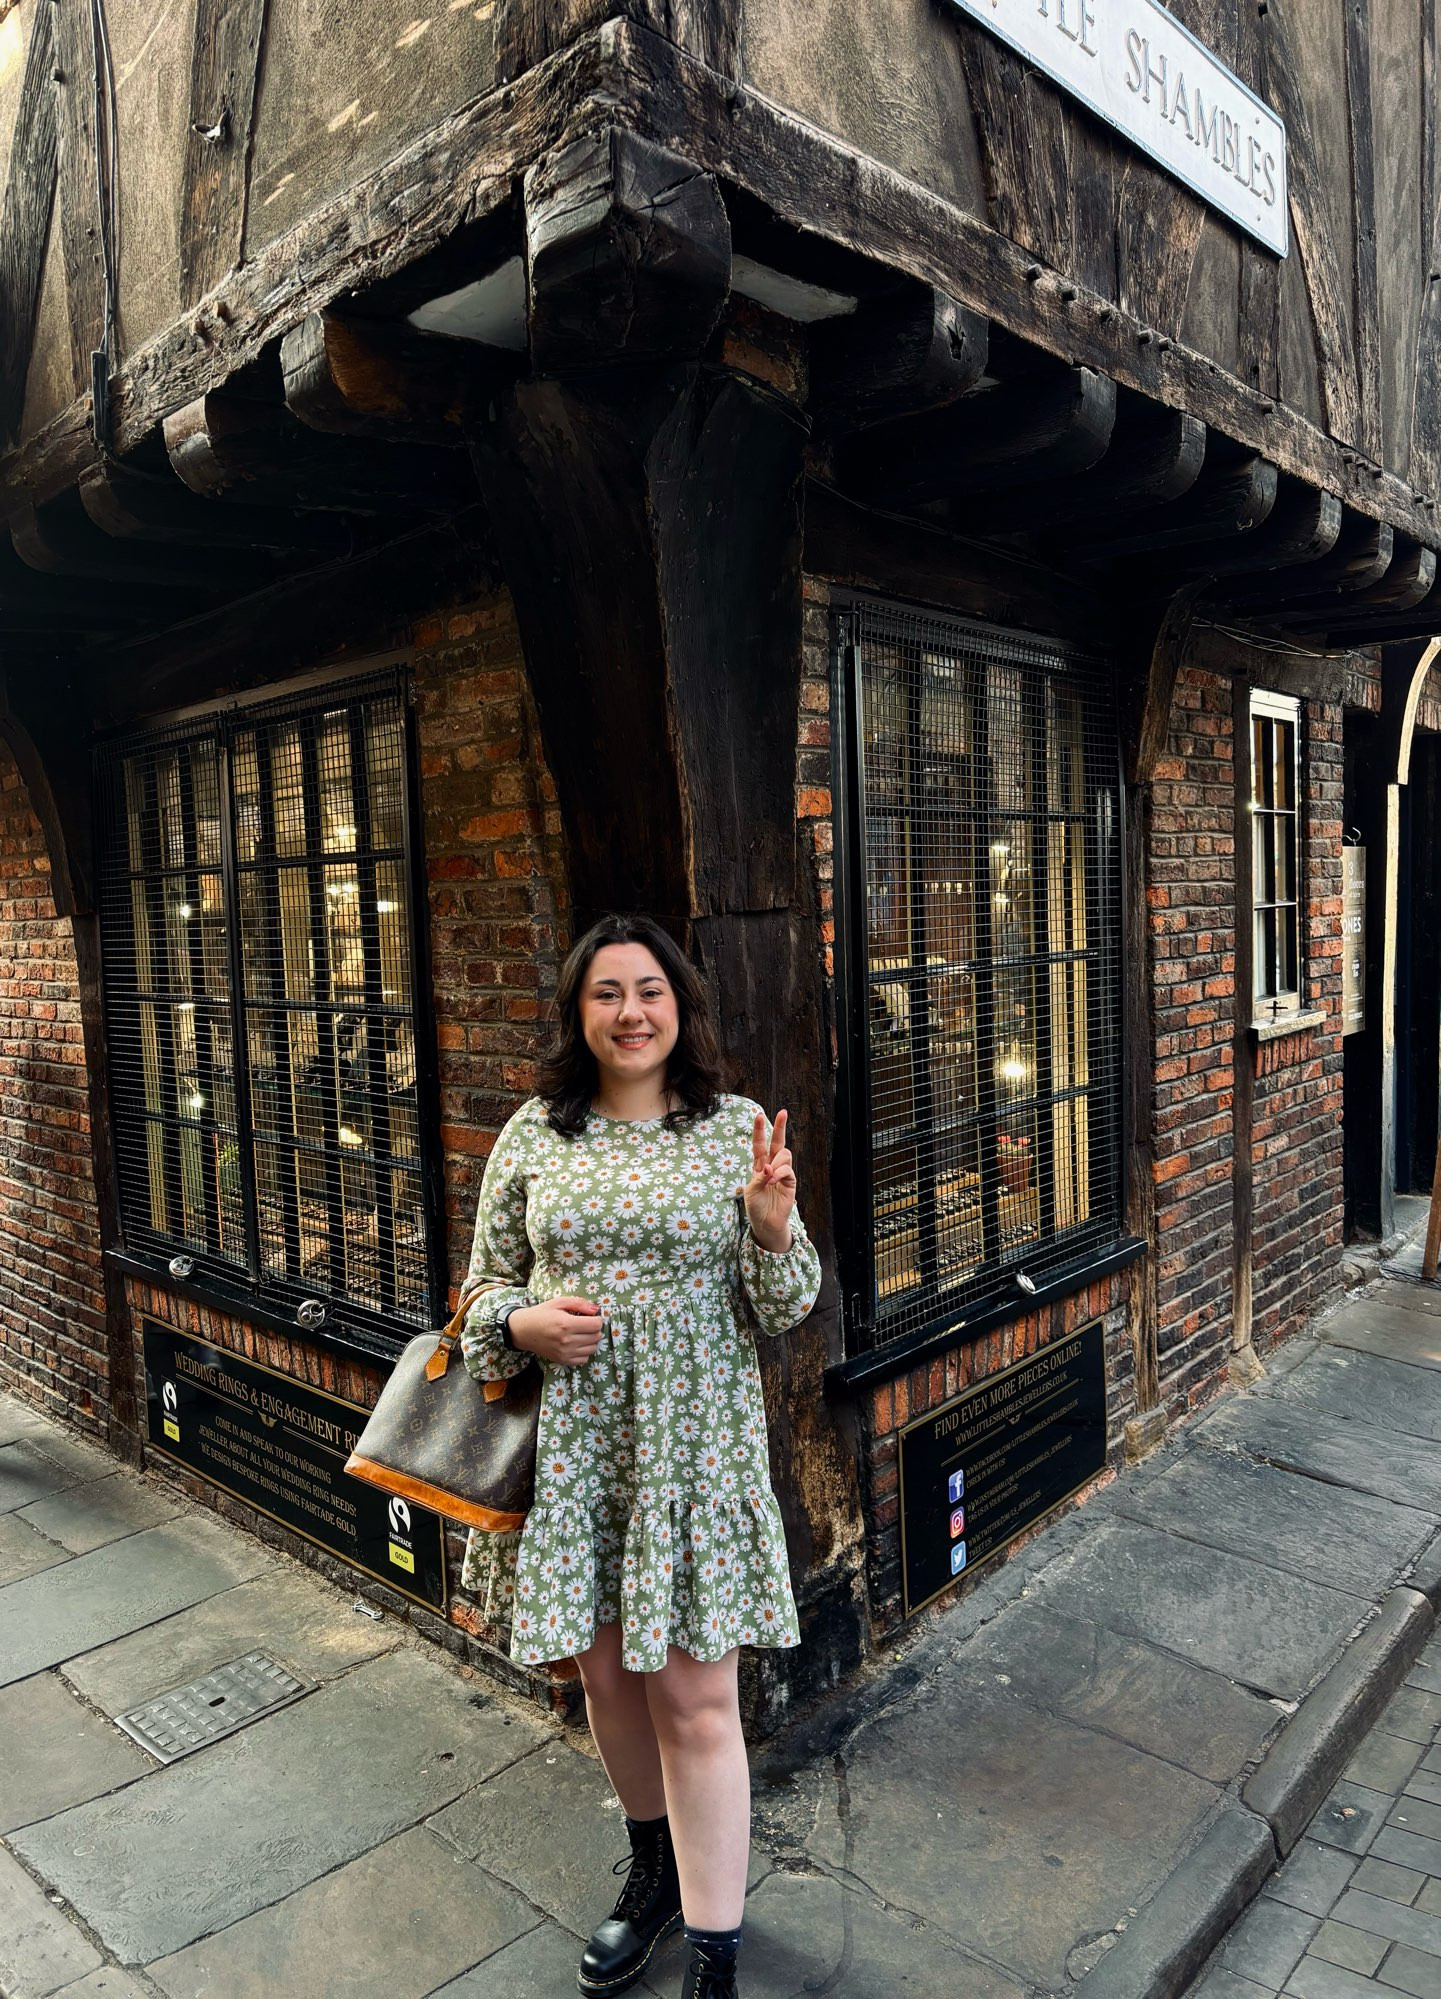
x: 52, y: 1311
x: 1191, y: 873
x: 1296, y: 1132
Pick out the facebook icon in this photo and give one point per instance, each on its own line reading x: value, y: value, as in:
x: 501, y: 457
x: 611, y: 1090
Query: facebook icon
x: 956, y: 1486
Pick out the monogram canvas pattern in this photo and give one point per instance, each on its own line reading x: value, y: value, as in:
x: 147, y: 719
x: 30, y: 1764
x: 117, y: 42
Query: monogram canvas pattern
x: 653, y: 1506
x: 449, y: 1447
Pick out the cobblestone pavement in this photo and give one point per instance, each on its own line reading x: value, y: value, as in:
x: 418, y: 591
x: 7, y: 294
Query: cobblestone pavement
x: 1356, y: 1909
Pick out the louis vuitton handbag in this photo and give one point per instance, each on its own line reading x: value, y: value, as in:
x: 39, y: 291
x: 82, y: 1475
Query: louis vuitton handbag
x: 462, y: 1447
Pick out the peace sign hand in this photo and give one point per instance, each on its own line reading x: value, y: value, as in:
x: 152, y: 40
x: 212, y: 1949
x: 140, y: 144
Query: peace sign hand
x: 770, y: 1193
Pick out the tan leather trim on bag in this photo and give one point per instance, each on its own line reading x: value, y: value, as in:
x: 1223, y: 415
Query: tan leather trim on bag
x: 434, y: 1496
x: 492, y: 1390
x: 449, y: 1337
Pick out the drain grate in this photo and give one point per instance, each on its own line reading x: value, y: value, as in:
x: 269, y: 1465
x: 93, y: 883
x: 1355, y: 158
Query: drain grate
x: 231, y: 1697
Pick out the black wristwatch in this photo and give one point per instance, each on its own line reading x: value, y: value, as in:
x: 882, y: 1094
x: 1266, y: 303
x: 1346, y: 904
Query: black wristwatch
x: 502, y: 1323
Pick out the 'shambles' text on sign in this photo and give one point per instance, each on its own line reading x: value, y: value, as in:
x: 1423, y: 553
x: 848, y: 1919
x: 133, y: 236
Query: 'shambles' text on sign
x: 1134, y: 65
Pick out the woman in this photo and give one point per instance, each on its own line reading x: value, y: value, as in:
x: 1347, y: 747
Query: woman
x: 636, y: 1223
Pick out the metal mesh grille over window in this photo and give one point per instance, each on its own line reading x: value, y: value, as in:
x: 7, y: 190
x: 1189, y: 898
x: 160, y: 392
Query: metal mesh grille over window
x: 985, y: 959
x: 259, y: 981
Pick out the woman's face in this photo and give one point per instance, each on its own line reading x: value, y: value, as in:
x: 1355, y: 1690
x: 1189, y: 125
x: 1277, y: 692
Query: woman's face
x: 628, y: 1013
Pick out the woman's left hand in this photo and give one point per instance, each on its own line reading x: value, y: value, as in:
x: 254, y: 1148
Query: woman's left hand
x: 770, y: 1193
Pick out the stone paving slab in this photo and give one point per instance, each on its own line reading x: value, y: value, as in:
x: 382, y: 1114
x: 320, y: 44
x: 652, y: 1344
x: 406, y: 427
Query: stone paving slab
x: 1166, y: 1706
x: 393, y: 1924
x: 40, y: 1950
x: 805, y: 1935
x: 1392, y: 1331
x: 57, y: 1752
x: 1313, y: 1878
x: 1345, y: 1452
x: 539, y: 1965
x: 24, y: 1551
x: 49, y: 1617
x: 299, y: 1620
x: 1349, y: 1540
x: 213, y: 1838
x: 550, y: 1827
x: 1267, y: 1944
x: 1365, y: 1388
x: 101, y: 1510
x: 965, y: 1812
x: 28, y: 1473
x: 109, y: 1982
x: 18, y: 1419
x: 1273, y: 1631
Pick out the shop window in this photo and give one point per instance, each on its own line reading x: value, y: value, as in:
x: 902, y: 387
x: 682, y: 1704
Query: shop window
x: 981, y: 909
x: 1276, y: 972
x: 260, y: 982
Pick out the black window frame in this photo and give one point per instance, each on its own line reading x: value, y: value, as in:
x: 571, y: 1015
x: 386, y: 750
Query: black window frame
x: 199, y: 1271
x: 1009, y: 1284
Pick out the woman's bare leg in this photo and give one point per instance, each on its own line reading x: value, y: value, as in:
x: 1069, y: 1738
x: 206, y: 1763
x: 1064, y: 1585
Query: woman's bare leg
x: 621, y: 1725
x: 695, y: 1709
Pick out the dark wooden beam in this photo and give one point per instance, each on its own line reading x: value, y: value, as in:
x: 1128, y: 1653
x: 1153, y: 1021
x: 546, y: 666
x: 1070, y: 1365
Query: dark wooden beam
x: 1233, y: 496
x: 224, y: 67
x: 1300, y: 529
x: 367, y: 378
x: 363, y: 603
x: 1041, y: 427
x: 1425, y: 427
x: 139, y: 505
x: 59, y: 539
x: 629, y: 253
x: 460, y: 175
x: 896, y: 555
x: 913, y: 349
x: 33, y: 603
x: 1365, y: 295
x: 1361, y: 557
x: 25, y: 215
x: 79, y: 210
x: 228, y: 447
x: 528, y: 31
x: 1406, y: 585
x: 1154, y: 456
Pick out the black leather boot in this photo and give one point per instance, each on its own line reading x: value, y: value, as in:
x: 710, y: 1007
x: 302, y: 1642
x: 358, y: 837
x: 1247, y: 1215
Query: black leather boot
x: 711, y: 1974
x: 646, y: 1911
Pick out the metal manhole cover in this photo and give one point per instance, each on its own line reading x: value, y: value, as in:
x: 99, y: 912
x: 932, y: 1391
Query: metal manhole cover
x: 228, y: 1698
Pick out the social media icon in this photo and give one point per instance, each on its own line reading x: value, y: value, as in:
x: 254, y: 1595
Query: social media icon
x: 956, y: 1486
x: 958, y: 1522
x: 958, y: 1558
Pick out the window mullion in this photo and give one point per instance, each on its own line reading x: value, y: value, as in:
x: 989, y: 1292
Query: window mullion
x: 374, y: 988
x: 239, y: 1036
x: 922, y: 1085
x: 1041, y: 997
x: 199, y: 1000
x: 162, y: 1003
x: 324, y: 1012
x: 267, y: 876
x: 986, y: 824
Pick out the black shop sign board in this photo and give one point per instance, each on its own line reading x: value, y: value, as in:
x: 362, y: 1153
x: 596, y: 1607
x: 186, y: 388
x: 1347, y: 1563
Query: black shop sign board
x: 281, y: 1446
x: 983, y: 1467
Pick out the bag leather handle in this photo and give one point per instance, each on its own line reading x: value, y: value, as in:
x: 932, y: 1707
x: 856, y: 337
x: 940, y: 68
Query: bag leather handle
x: 449, y: 1337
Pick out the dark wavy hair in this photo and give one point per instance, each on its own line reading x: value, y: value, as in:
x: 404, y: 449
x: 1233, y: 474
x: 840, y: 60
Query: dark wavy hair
x: 567, y: 1076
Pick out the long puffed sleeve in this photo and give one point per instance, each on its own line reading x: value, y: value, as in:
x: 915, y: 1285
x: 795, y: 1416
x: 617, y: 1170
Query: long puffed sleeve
x: 783, y: 1284
x: 500, y: 1256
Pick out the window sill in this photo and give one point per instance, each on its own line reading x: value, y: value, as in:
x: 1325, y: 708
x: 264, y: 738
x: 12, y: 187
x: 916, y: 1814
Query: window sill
x: 268, y: 1314
x: 1282, y: 1024
x: 883, y: 1363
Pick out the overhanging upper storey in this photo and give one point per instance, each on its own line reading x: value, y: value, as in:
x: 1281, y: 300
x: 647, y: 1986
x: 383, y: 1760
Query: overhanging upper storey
x: 1003, y: 312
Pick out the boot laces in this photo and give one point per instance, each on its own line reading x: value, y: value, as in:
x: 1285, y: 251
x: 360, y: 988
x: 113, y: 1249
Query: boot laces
x: 645, y: 1863
x: 709, y: 1981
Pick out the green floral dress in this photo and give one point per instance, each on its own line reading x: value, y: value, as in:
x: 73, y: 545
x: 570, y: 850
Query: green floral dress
x: 653, y: 1505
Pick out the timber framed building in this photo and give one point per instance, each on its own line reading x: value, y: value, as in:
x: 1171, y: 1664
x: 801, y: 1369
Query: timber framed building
x: 792, y: 467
